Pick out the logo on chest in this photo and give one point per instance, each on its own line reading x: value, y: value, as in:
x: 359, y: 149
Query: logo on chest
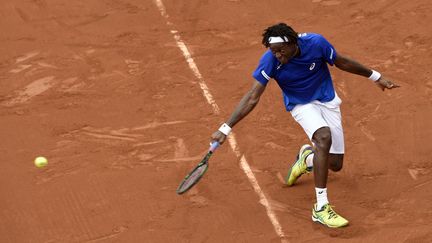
x: 312, y: 66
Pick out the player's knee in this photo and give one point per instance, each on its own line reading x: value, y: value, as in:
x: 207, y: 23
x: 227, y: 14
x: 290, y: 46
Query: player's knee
x: 322, y: 138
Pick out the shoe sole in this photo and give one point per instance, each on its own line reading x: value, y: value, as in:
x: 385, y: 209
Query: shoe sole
x: 317, y: 220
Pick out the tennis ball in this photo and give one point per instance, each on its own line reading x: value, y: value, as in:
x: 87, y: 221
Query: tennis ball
x: 40, y: 162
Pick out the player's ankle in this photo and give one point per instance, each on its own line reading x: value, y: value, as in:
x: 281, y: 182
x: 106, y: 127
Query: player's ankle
x: 321, y: 195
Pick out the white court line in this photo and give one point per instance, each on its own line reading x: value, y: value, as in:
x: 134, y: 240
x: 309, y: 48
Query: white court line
x: 231, y: 139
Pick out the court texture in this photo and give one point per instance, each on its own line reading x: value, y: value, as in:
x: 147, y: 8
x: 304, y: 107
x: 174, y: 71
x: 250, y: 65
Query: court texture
x: 121, y: 97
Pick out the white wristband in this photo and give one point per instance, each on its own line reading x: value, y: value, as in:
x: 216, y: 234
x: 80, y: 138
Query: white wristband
x: 225, y: 129
x: 375, y: 76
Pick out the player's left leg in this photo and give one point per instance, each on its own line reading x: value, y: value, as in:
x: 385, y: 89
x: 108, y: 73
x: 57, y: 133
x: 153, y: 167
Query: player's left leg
x: 332, y: 115
x: 313, y: 117
x: 335, y: 162
x: 309, y: 117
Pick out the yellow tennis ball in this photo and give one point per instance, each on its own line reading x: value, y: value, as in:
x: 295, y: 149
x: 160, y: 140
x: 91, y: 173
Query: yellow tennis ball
x: 40, y: 162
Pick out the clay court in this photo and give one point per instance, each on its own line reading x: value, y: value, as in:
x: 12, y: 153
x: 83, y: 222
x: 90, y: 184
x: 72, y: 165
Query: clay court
x: 104, y: 91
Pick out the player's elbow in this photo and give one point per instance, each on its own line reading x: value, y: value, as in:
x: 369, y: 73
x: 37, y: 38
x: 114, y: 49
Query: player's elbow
x: 342, y: 62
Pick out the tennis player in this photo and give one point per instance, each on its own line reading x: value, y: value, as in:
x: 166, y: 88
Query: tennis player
x: 299, y: 64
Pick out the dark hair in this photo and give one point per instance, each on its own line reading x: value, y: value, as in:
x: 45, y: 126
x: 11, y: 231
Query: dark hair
x: 280, y: 30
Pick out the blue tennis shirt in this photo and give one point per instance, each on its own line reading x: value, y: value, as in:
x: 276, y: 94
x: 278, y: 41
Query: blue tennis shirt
x: 305, y: 78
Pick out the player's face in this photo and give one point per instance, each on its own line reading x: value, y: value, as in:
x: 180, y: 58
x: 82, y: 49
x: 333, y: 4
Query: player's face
x: 283, y: 52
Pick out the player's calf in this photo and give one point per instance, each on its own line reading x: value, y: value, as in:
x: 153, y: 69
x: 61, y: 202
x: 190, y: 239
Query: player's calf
x: 335, y: 162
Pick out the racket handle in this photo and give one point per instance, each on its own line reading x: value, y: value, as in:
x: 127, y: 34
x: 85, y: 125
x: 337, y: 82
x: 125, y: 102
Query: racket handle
x: 213, y: 146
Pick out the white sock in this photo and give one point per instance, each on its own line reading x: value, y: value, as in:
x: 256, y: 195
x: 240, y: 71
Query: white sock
x: 309, y: 160
x: 321, y: 195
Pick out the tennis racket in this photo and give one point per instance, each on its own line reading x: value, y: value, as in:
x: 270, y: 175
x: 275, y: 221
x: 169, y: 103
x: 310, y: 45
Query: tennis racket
x: 195, y: 175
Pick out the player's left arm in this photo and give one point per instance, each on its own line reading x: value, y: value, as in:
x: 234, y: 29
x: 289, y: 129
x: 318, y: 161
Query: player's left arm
x: 349, y: 65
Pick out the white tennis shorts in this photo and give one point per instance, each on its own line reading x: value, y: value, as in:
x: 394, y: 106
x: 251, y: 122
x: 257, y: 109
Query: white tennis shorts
x: 314, y: 115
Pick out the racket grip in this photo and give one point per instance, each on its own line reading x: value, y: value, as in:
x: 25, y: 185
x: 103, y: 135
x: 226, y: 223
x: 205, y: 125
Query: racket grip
x: 213, y: 146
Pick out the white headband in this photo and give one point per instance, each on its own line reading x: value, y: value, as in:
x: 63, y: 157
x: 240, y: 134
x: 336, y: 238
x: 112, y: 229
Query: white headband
x: 277, y: 39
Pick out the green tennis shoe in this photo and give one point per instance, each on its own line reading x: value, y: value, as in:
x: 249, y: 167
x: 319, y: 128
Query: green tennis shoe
x: 299, y: 167
x: 328, y: 217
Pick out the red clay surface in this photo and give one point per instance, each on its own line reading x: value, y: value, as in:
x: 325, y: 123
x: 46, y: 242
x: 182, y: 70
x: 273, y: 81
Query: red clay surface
x: 101, y: 89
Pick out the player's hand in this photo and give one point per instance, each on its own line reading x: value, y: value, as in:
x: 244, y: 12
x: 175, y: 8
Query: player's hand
x: 383, y: 83
x: 219, y: 137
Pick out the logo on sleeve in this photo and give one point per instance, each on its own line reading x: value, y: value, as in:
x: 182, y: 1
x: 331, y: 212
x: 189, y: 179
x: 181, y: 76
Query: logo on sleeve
x: 279, y: 66
x: 312, y: 66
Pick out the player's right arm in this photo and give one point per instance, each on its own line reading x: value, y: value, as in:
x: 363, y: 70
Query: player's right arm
x: 245, y: 106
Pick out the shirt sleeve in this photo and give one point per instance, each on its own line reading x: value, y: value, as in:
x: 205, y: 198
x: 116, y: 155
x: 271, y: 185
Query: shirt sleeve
x: 328, y: 51
x: 265, y: 70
